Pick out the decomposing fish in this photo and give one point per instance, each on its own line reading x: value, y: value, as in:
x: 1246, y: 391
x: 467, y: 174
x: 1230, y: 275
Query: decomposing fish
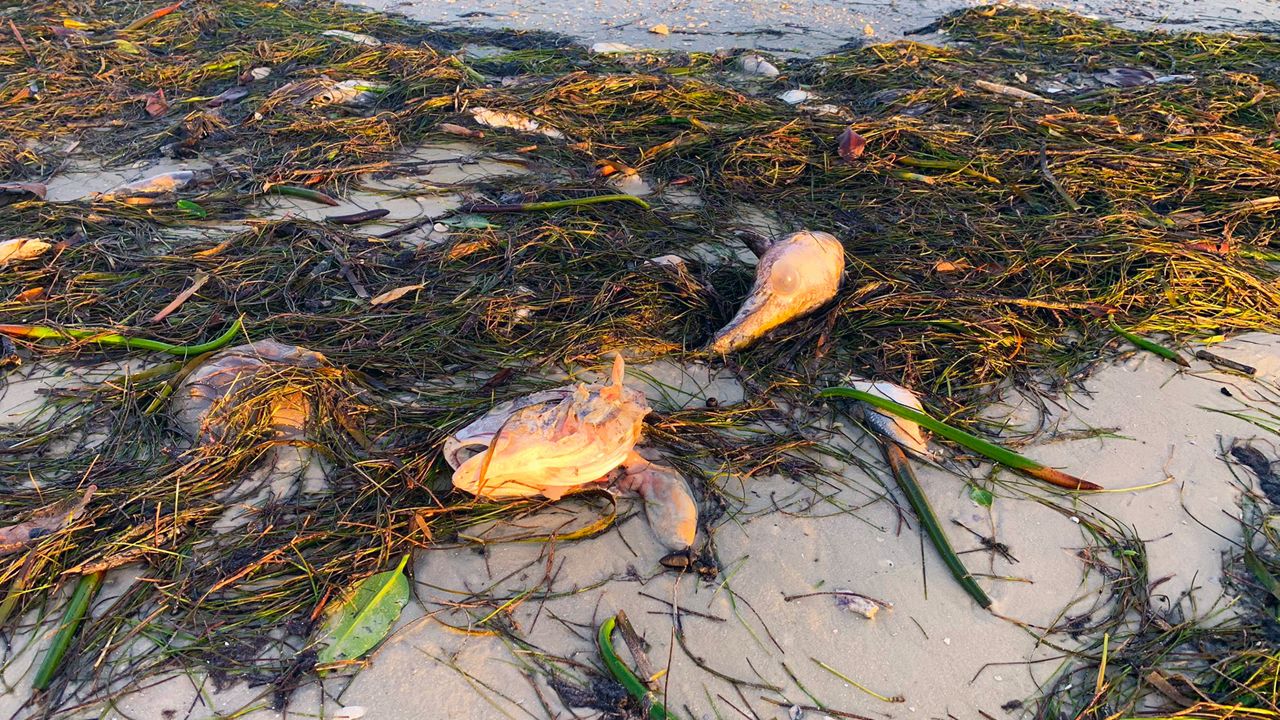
x: 44, y: 521
x: 352, y: 93
x: 796, y: 276
x: 22, y: 248
x: 512, y: 121
x: 904, y: 433
x: 206, y: 399
x: 351, y: 37
x: 146, y: 190
x: 795, y: 97
x: 572, y: 438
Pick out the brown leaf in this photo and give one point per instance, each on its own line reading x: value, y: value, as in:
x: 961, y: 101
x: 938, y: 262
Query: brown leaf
x: 393, y: 295
x: 156, y: 104
x: 947, y: 266
x: 852, y: 145
x: 29, y: 295
x: 21, y: 191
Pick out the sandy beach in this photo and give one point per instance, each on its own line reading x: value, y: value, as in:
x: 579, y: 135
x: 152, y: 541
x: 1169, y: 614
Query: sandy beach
x: 498, y: 626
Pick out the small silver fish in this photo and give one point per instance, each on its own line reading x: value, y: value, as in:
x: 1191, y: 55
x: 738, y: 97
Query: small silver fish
x: 903, y: 432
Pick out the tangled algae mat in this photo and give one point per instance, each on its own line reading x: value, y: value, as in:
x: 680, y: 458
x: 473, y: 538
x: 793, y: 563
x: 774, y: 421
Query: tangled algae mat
x: 1020, y: 189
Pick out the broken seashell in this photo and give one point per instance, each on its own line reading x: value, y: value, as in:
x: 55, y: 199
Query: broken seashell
x: 795, y: 97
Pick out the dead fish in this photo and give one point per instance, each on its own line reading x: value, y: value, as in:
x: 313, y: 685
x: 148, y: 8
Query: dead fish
x: 1125, y: 77
x: 44, y: 521
x: 795, y: 276
x: 795, y: 97
x: 351, y: 93
x: 904, y: 433
x: 611, y: 48
x: 555, y: 442
x: 351, y: 37
x: 1009, y: 91
x: 203, y: 404
x: 512, y: 121
x: 755, y: 65
x: 22, y: 248
x: 143, y: 191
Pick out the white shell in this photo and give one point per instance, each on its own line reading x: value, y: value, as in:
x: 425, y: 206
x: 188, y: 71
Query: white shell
x: 606, y: 48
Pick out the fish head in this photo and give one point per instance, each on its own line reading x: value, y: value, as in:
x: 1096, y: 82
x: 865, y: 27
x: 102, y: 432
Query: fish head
x: 795, y: 277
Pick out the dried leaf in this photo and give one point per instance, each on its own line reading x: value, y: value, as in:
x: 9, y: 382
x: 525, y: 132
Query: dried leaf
x: 29, y: 295
x: 852, y: 145
x: 23, y: 191
x: 660, y: 29
x: 391, y: 296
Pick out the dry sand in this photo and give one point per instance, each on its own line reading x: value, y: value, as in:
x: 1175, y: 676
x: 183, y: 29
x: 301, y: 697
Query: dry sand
x: 936, y: 650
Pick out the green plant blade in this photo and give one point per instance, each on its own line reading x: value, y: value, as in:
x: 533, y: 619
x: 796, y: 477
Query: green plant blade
x: 366, y: 615
x: 1149, y: 346
x: 972, y: 442
x: 105, y: 337
x: 906, y: 479
x: 623, y: 674
x: 193, y: 209
x: 84, y: 593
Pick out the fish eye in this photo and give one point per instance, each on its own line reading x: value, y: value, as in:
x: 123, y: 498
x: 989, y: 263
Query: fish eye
x: 786, y: 276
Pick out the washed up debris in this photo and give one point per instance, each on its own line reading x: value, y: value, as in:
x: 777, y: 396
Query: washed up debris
x: 660, y: 29
x: 1149, y: 346
x: 45, y: 521
x: 13, y: 192
x: 512, y: 121
x: 905, y: 433
x: 208, y: 398
x: 20, y: 249
x: 751, y: 64
x: 154, y: 103
x: 254, y: 75
x: 353, y: 93
x: 795, y: 97
x: 393, y: 295
x: 228, y: 96
x: 301, y: 192
x: 796, y: 276
x: 1125, y: 77
x: 364, y: 616
x: 849, y: 601
x: 611, y: 48
x: 1010, y: 91
x: 572, y: 438
x: 460, y: 130
x: 103, y: 336
x: 351, y: 37
x: 990, y: 450
x: 149, y: 190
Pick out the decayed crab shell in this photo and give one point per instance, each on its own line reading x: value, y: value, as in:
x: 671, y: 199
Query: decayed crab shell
x: 796, y: 276
x: 549, y: 443
x: 203, y: 402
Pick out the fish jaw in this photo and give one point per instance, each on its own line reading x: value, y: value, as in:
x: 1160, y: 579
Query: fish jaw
x: 795, y: 277
x: 668, y: 501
